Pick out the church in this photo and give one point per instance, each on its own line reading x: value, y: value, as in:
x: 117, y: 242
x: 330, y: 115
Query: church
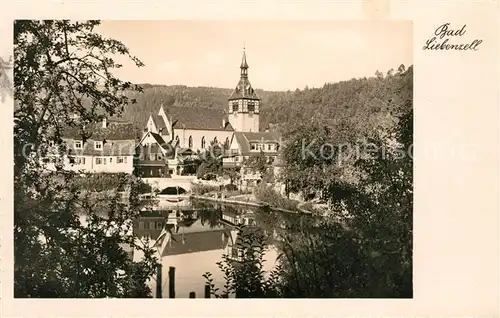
x: 175, y: 133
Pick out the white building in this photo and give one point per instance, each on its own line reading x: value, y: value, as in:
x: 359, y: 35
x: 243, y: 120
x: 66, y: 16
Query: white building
x: 99, y: 147
x: 192, y: 130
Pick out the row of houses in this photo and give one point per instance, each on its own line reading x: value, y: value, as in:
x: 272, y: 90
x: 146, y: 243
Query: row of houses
x: 174, y: 137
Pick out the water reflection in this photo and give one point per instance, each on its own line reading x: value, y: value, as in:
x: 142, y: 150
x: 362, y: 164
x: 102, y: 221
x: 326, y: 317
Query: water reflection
x: 200, y: 232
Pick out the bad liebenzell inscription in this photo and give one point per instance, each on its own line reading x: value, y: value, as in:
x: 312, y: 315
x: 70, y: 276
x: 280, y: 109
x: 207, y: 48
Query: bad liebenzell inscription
x: 445, y: 34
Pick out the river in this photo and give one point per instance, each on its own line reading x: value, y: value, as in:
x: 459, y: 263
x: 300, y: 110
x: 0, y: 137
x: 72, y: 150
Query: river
x: 200, y: 233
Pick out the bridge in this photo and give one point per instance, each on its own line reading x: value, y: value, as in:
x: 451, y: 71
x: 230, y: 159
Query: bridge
x: 185, y: 182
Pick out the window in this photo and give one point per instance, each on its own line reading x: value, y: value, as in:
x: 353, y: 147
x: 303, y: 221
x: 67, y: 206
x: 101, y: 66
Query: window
x: 234, y: 152
x: 111, y: 160
x: 215, y: 140
x: 78, y: 160
x: 253, y: 146
x: 78, y: 145
x: 269, y: 147
x: 235, y: 106
x: 203, y: 142
x: 98, y: 161
x: 177, y: 140
x: 251, y: 107
x: 121, y: 159
x: 98, y: 145
x: 227, y: 142
x: 141, y: 225
x: 190, y: 142
x: 158, y: 156
x: 72, y: 160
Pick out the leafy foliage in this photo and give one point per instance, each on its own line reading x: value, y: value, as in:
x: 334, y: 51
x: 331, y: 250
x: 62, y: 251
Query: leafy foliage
x: 362, y: 246
x: 244, y: 273
x: 267, y: 194
x: 72, y: 233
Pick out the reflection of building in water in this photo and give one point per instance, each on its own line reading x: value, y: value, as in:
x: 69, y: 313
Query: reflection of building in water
x: 238, y: 217
x: 184, y: 231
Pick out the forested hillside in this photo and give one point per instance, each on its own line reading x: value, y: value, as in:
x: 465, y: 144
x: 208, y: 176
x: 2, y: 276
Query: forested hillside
x: 360, y: 103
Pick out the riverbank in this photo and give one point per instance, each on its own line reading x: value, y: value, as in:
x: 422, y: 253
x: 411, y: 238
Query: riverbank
x: 246, y: 200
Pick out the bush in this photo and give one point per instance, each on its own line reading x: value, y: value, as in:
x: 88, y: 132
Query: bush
x: 268, y: 195
x: 201, y: 189
x: 244, y: 271
x: 230, y: 187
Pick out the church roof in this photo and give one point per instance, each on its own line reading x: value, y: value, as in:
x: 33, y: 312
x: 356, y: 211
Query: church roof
x: 158, y: 121
x: 198, y: 118
x: 244, y: 89
x: 244, y: 63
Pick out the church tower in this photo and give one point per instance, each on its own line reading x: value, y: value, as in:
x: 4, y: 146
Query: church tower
x: 244, y: 103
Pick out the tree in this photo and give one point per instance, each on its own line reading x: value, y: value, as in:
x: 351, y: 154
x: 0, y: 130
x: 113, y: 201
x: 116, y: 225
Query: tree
x: 70, y: 239
x: 257, y: 163
x: 211, y: 160
x: 371, y: 216
x: 233, y: 174
x: 363, y: 247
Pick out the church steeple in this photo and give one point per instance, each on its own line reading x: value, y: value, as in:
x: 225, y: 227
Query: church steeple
x: 244, y: 88
x: 244, y: 102
x: 244, y: 65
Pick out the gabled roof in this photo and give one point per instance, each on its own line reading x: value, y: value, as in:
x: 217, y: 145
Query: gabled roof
x: 245, y: 138
x: 159, y: 139
x: 198, y: 118
x: 166, y: 147
x: 95, y: 131
x: 118, y: 139
x: 158, y: 121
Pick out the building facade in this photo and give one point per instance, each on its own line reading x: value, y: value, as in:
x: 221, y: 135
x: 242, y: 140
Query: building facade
x: 190, y: 128
x: 194, y: 130
x: 99, y: 147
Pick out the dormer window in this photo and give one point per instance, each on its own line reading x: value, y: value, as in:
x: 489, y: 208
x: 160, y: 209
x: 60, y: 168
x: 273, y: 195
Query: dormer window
x: 235, y: 106
x: 253, y: 146
x: 78, y: 144
x: 98, y: 145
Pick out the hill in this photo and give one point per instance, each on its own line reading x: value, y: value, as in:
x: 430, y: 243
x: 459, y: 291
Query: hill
x: 362, y: 103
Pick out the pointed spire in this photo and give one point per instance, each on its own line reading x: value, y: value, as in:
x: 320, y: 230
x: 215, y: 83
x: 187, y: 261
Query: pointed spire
x: 244, y: 60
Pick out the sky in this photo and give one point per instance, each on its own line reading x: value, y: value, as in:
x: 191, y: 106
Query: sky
x: 282, y: 55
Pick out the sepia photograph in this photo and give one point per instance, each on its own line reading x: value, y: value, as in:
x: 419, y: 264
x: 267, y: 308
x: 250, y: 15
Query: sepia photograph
x: 212, y: 159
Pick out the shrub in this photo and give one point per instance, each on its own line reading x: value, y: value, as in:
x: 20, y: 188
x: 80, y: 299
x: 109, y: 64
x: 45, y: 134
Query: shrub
x: 230, y: 187
x: 268, y: 195
x: 201, y: 189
